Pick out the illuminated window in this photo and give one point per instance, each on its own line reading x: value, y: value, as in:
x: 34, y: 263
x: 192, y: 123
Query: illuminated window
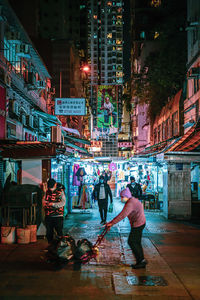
x: 119, y: 22
x: 95, y: 17
x: 155, y: 3
x: 142, y: 35
x: 109, y: 35
x: 156, y: 35
x: 118, y: 42
x: 119, y: 74
x: 109, y: 3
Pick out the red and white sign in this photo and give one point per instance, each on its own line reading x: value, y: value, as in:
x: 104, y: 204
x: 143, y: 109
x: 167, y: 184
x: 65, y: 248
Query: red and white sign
x: 96, y: 144
x: 125, y: 144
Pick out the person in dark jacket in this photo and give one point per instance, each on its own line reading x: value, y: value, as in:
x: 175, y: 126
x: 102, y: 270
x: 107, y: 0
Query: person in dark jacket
x: 54, y: 202
x: 135, y: 188
x: 101, y: 192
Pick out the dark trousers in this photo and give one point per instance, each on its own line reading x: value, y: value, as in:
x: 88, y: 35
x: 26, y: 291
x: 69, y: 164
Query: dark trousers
x: 51, y: 224
x: 103, y: 209
x: 135, y: 242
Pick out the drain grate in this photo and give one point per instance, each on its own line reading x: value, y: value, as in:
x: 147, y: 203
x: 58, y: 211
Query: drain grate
x: 146, y: 280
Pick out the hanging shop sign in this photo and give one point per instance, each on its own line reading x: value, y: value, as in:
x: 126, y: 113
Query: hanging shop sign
x: 106, y: 111
x: 112, y: 167
x: 96, y: 144
x: 125, y: 144
x: 70, y: 106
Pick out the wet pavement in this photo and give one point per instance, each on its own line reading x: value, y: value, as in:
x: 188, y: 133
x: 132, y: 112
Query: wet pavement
x: 172, y: 249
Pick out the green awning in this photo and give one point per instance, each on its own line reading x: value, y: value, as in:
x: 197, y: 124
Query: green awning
x: 48, y: 118
x: 75, y: 147
x: 82, y: 141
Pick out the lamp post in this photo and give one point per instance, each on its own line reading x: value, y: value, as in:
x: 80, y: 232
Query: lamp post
x: 85, y: 71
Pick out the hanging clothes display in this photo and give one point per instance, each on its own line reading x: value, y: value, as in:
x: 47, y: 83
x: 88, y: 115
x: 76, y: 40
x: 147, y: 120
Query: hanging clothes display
x: 75, y: 179
x: 80, y: 175
x: 85, y: 201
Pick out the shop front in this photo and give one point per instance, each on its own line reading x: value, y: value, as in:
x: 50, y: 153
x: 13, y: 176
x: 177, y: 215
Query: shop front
x: 148, y: 173
x: 85, y: 176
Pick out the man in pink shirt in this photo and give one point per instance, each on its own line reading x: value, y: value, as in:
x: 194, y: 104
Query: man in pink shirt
x: 133, y: 209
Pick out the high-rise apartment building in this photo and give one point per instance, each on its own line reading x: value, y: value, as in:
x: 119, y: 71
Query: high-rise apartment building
x: 105, y: 54
x: 105, y: 41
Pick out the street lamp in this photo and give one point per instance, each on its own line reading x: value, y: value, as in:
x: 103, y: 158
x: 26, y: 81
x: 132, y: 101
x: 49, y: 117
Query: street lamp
x: 86, y: 69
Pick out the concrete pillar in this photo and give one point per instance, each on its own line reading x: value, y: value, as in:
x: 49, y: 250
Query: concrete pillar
x: 177, y: 191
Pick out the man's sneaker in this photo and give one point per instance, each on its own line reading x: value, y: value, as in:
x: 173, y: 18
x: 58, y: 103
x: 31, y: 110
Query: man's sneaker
x: 101, y: 222
x: 140, y: 265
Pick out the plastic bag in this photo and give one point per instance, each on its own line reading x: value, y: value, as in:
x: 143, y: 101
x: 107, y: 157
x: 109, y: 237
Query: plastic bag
x: 84, y: 250
x: 110, y: 209
x: 62, y: 249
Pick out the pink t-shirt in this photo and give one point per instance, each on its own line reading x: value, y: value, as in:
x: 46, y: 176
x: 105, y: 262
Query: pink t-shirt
x: 133, y: 209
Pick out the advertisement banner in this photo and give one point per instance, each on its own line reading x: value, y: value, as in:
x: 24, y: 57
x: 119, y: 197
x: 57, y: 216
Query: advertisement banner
x: 70, y: 106
x: 107, y: 113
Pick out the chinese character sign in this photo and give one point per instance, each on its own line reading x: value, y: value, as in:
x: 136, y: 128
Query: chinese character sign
x: 70, y: 106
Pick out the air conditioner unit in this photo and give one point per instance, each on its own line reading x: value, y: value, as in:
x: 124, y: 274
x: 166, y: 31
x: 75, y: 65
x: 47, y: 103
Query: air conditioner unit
x: 41, y: 124
x: 16, y: 107
x: 56, y: 134
x: 23, y: 50
x: 41, y: 84
x: 7, y: 79
x: 31, y: 79
x: 194, y: 72
x: 23, y: 119
x: 31, y: 121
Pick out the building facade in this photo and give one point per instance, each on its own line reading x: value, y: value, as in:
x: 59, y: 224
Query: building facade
x: 105, y: 55
x: 56, y: 32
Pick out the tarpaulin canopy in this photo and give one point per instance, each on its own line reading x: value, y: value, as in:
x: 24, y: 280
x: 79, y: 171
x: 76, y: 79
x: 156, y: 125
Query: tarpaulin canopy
x: 189, y: 141
x: 71, y: 130
x: 48, y: 118
x: 79, y: 140
x: 75, y: 147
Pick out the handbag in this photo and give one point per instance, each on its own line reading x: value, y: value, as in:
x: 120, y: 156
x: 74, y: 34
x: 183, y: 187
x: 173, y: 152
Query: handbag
x: 110, y: 209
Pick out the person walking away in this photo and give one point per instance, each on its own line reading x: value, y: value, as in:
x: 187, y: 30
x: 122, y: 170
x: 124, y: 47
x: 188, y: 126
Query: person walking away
x: 54, y: 202
x: 134, y: 210
x: 135, y: 188
x: 101, y: 192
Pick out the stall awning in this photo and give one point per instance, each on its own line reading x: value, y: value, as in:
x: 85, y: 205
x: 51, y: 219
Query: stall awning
x: 189, y: 141
x: 81, y: 141
x: 159, y: 147
x: 22, y: 149
x: 51, y: 119
x: 76, y: 147
x: 71, y: 130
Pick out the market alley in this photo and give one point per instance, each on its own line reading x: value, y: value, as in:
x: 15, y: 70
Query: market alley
x: 171, y: 248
